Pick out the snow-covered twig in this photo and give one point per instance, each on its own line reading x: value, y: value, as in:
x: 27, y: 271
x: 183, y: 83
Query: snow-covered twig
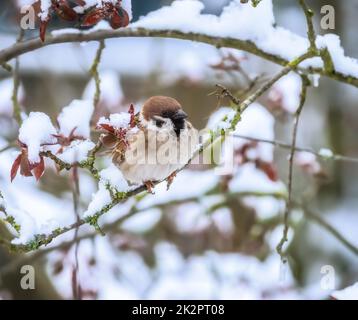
x: 248, y: 46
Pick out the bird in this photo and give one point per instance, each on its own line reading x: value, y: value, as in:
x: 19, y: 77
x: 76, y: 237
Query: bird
x: 163, y: 143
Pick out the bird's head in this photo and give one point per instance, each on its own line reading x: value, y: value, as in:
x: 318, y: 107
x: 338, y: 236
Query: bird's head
x: 164, y: 113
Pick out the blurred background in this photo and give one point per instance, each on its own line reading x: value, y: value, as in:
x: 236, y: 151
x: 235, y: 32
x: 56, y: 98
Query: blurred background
x: 187, y: 244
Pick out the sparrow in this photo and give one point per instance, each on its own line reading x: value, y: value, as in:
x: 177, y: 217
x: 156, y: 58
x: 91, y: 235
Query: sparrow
x: 163, y: 143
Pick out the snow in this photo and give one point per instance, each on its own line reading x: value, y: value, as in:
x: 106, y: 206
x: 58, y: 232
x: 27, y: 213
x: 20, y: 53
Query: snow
x: 22, y: 3
x: 77, y: 116
x: 287, y: 92
x: 34, y: 210
x: 77, y: 151
x: 115, y: 178
x: 326, y: 153
x: 45, y: 7
x: 36, y: 130
x: 117, y: 120
x: 257, y: 122
x: 100, y: 199
x: 111, y: 177
x: 28, y: 227
x: 244, y: 22
x: 143, y: 221
x: 249, y: 179
x: 349, y: 293
x: 200, y: 183
x: 221, y: 118
x: 343, y: 64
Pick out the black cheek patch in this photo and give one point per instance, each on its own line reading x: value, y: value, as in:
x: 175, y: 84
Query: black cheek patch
x: 178, y: 126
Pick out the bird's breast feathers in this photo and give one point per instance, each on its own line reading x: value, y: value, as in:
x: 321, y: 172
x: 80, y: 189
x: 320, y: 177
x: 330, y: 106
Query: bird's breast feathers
x: 153, y: 154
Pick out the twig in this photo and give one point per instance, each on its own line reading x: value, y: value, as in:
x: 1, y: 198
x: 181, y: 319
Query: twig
x: 76, y: 285
x: 16, y: 85
x: 310, y: 29
x: 283, y: 145
x: 332, y: 230
x: 6, y: 66
x: 95, y: 73
x: 290, y: 66
x: 305, y: 83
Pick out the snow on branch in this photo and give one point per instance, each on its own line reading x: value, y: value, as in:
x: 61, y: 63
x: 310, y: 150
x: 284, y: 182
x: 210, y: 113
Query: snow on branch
x: 68, y: 144
x: 240, y: 26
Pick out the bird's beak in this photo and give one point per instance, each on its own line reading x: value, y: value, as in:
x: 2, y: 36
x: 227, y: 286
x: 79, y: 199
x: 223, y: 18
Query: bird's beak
x: 180, y: 114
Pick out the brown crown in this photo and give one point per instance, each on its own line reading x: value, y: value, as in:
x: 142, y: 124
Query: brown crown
x: 160, y: 106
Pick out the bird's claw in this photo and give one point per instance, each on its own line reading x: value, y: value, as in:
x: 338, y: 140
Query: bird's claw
x: 170, y: 179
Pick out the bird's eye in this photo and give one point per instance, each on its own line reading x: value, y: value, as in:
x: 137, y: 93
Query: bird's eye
x: 159, y: 123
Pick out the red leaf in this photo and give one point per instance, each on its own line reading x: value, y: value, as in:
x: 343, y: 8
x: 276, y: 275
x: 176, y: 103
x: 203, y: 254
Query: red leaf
x: 133, y: 119
x: 124, y: 17
x: 93, y: 17
x: 80, y: 2
x: 106, y: 127
x: 25, y: 167
x: 268, y: 169
x: 64, y: 11
x: 15, y: 167
x: 39, y: 169
x: 116, y: 20
x: 43, y: 27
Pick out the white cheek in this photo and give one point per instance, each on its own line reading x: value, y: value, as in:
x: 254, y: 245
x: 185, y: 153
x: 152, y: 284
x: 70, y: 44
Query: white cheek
x: 166, y: 127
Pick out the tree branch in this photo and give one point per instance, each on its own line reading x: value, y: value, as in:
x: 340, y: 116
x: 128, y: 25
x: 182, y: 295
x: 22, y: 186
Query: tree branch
x: 248, y: 46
